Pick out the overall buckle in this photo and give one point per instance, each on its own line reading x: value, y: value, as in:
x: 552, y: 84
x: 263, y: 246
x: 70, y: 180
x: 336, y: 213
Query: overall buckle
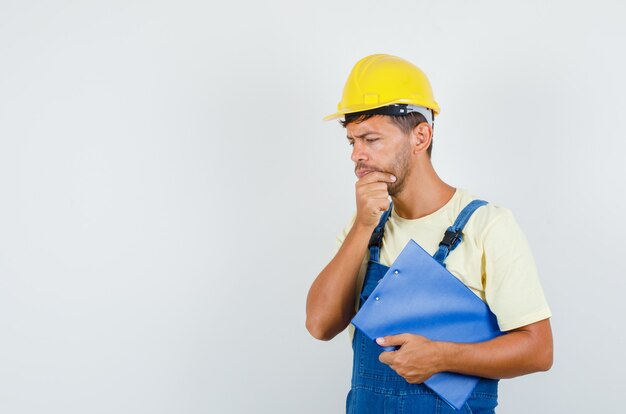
x: 450, y: 238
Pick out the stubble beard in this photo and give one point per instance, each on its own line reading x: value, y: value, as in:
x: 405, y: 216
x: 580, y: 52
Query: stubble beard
x: 400, y: 170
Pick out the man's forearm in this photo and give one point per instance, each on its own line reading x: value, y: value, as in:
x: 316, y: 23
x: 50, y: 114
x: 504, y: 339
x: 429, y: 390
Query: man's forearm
x: 519, y: 352
x: 330, y: 302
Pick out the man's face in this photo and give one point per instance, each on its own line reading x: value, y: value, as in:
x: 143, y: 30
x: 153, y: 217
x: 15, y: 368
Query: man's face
x: 379, y: 145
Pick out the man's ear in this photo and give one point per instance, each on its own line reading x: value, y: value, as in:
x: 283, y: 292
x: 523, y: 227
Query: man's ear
x: 421, y: 136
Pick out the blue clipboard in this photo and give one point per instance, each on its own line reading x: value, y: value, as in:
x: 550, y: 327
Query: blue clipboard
x: 418, y: 295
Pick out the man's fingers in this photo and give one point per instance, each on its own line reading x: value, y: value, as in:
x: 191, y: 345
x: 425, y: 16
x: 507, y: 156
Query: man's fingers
x: 368, y: 187
x: 379, y: 205
x: 376, y: 196
x: 372, y: 197
x: 386, y: 357
x: 390, y: 341
x: 393, y: 340
x: 378, y: 176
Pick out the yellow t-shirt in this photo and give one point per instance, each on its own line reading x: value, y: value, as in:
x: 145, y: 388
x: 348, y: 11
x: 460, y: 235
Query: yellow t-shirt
x: 493, y: 260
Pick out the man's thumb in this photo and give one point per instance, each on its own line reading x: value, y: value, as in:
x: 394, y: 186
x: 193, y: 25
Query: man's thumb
x: 391, y: 340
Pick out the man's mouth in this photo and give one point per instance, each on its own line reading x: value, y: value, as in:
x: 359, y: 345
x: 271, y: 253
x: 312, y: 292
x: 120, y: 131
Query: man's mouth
x: 362, y: 172
x: 362, y: 169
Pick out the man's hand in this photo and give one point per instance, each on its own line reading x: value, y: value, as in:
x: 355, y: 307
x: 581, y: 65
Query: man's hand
x: 521, y: 351
x: 372, y: 198
x: 417, y: 359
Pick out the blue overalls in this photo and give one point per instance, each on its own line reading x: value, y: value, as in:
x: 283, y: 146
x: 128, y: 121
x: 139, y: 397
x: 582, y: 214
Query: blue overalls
x: 376, y: 388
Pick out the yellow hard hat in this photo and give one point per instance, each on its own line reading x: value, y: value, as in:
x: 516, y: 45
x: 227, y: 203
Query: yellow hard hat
x: 378, y: 81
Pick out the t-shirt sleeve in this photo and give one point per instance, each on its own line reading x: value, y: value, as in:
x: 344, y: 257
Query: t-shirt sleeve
x: 512, y: 287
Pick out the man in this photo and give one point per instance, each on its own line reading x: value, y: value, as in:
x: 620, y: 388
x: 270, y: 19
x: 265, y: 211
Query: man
x: 388, y: 110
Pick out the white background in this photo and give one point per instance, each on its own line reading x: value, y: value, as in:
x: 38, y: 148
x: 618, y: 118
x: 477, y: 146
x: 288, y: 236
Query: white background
x: 168, y: 190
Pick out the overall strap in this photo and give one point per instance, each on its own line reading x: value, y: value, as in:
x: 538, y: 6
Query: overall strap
x: 454, y: 233
x: 377, y: 236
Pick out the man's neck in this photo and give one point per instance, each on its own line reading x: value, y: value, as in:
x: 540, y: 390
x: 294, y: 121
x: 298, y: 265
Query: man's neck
x: 423, y: 194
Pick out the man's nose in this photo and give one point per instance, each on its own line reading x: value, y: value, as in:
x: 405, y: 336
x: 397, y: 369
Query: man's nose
x: 358, y: 152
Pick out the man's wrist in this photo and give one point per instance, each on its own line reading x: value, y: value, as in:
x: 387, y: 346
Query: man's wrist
x: 448, y: 352
x: 362, y: 231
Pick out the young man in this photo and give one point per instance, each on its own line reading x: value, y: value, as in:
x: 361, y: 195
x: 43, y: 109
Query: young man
x: 389, y: 109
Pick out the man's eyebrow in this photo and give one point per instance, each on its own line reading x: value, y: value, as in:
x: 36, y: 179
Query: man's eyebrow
x: 362, y: 135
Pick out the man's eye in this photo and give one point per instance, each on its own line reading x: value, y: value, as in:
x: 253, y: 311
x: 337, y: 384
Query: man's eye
x: 351, y: 143
x: 371, y: 139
